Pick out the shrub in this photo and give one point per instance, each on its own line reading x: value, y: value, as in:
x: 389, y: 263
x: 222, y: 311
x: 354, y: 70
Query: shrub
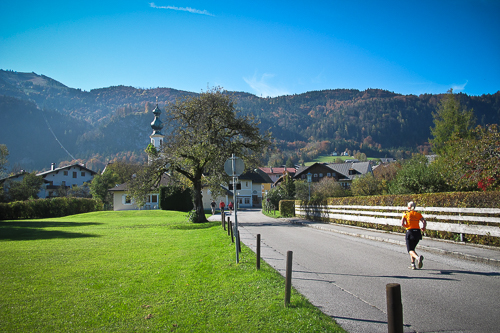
x: 44, y: 208
x: 287, y: 208
x: 175, y: 198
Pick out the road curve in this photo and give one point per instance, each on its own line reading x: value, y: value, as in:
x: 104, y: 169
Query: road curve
x: 346, y: 278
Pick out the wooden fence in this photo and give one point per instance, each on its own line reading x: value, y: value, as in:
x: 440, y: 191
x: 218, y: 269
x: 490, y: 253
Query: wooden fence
x: 474, y: 221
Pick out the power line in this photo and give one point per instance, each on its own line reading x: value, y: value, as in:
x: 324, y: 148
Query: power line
x: 55, y: 137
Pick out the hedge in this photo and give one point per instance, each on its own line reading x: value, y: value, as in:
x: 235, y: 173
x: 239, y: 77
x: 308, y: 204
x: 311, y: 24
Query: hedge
x: 287, y: 208
x: 448, y: 199
x: 175, y: 198
x: 44, y: 208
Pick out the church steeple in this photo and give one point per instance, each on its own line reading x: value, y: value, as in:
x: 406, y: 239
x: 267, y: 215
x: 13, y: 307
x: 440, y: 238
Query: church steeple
x: 157, y: 125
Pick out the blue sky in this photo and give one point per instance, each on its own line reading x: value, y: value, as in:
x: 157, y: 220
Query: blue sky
x: 268, y: 48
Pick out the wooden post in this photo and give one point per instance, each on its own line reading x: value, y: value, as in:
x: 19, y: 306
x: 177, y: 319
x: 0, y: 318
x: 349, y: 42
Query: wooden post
x: 231, y: 229
x: 258, y: 251
x: 288, y: 284
x: 394, y: 308
x: 239, y: 241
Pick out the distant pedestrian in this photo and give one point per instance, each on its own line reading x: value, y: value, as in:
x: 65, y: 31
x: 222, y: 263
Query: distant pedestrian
x: 222, y: 205
x: 411, y: 221
x: 213, y: 204
x: 230, y: 206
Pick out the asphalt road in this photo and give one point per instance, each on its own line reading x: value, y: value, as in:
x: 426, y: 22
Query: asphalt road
x: 346, y: 278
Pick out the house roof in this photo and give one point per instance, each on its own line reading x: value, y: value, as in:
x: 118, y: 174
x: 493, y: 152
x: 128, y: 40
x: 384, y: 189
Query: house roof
x: 256, y: 176
x: 22, y: 173
x: 67, y: 167
x: 274, y: 171
x: 351, y: 170
x: 347, y: 170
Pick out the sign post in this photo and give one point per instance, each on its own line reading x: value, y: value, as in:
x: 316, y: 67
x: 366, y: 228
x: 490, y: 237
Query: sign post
x: 234, y: 167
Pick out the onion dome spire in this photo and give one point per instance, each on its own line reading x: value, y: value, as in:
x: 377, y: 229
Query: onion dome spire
x: 156, y: 124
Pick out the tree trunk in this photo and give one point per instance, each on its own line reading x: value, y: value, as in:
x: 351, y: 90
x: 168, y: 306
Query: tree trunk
x: 198, y: 202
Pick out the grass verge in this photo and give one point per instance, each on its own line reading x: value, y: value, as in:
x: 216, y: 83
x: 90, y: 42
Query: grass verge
x: 139, y: 271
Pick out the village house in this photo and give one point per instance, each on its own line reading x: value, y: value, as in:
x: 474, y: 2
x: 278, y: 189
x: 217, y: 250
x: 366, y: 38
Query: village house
x: 344, y: 173
x: 249, y: 191
x: 64, y: 177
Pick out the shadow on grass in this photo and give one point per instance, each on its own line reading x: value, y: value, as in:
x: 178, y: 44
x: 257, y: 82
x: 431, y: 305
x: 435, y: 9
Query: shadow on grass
x: 32, y: 230
x: 194, y: 226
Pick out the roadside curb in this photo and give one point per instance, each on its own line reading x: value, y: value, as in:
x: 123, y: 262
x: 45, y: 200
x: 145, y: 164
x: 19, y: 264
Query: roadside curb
x: 455, y: 254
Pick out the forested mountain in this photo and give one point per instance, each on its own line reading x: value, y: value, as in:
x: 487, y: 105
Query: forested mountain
x: 114, y: 122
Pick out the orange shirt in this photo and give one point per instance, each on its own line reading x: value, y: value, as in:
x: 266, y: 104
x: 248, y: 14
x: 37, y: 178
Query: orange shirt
x: 412, y: 219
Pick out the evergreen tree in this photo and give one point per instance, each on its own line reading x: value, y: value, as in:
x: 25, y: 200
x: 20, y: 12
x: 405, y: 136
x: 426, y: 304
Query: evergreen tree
x: 451, y: 120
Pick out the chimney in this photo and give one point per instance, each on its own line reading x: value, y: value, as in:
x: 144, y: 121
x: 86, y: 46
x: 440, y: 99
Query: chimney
x: 52, y: 166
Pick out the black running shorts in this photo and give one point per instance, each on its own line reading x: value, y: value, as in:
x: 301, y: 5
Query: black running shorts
x: 413, y: 236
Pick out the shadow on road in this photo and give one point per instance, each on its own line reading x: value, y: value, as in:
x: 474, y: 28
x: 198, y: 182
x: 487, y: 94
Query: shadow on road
x: 408, y: 277
x: 453, y: 272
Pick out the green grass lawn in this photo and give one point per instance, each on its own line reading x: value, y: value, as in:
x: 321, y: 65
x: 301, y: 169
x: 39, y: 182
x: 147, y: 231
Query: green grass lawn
x: 139, y: 271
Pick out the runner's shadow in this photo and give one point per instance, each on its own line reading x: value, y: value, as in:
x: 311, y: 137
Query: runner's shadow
x: 454, y: 272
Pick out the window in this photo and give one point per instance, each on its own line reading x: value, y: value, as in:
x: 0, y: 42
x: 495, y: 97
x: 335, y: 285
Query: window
x: 63, y: 183
x: 127, y: 200
x: 247, y: 201
x: 246, y: 184
x: 315, y: 175
x: 83, y: 173
x: 320, y: 175
x: 328, y: 174
x: 65, y: 173
x: 74, y: 174
x: 154, y: 198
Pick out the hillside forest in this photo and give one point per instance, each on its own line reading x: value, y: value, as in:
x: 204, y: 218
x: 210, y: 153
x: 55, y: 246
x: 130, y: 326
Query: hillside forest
x: 44, y: 121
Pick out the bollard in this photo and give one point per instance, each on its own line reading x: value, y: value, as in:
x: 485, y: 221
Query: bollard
x: 288, y: 284
x: 231, y: 228
x: 394, y: 308
x: 228, y: 219
x: 258, y: 251
x: 239, y: 242
x: 228, y: 226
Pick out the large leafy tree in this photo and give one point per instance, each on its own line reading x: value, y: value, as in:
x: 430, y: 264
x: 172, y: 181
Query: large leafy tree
x: 473, y: 162
x: 116, y: 173
x: 416, y: 176
x: 204, y: 131
x: 451, y: 120
x: 25, y: 189
x: 367, y: 185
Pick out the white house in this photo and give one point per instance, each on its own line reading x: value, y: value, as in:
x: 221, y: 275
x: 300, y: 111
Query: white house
x: 123, y: 201
x: 67, y: 176
x: 249, y: 189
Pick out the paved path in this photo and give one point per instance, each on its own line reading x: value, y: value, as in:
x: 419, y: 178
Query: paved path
x: 344, y: 272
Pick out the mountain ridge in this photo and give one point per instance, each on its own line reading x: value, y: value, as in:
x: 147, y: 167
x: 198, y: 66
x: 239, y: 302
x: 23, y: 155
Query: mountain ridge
x: 373, y: 120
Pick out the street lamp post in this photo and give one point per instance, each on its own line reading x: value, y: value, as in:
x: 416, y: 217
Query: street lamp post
x: 234, y: 167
